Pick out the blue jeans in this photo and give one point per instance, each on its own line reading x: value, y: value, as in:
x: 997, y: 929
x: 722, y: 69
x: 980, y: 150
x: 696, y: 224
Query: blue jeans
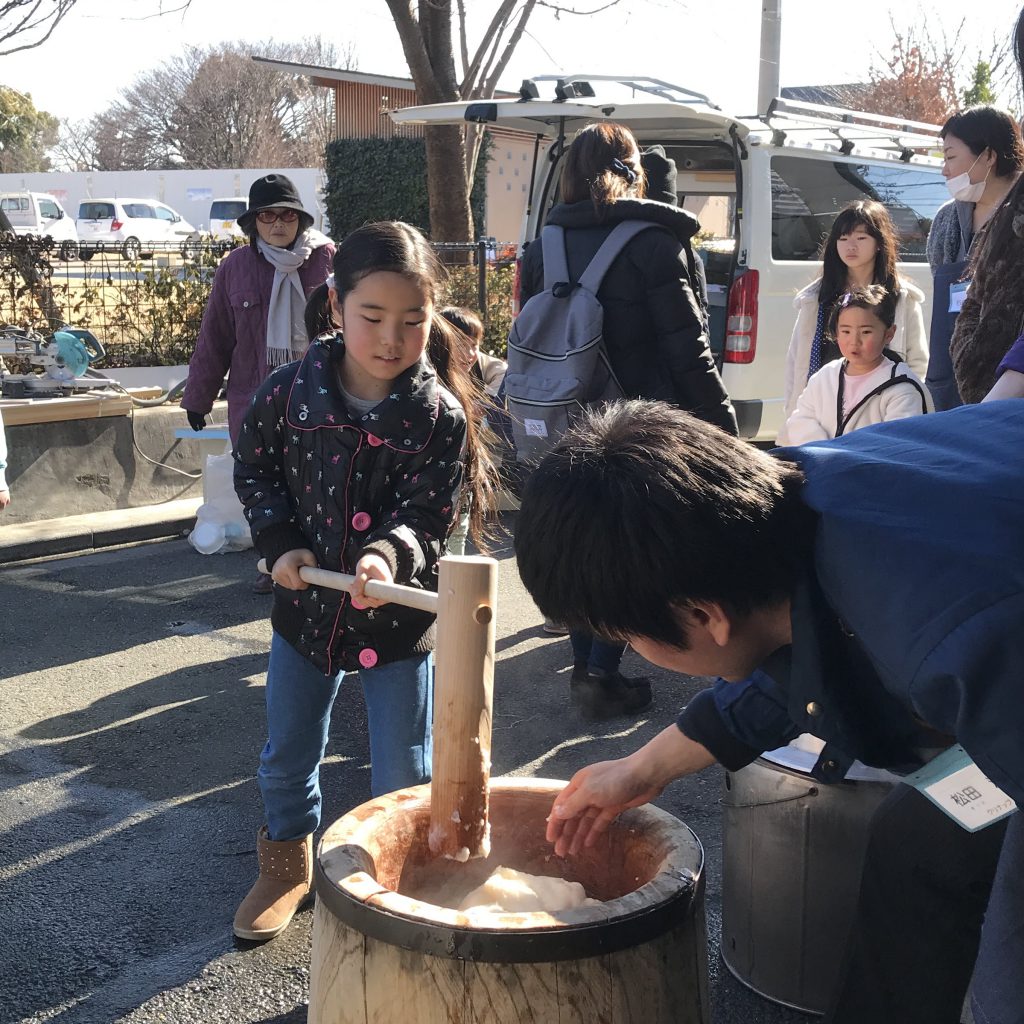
x: 600, y: 657
x: 399, y: 709
x: 997, y: 992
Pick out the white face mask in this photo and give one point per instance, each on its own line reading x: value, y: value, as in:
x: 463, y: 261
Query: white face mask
x: 963, y: 189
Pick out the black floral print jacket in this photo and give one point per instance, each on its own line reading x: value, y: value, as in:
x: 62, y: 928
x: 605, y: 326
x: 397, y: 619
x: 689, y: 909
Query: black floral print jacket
x: 313, y: 475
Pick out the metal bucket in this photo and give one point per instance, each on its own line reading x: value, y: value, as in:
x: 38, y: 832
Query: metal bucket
x: 793, y: 849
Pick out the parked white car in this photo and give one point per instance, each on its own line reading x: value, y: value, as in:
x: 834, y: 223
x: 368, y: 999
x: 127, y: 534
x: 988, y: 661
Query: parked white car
x: 36, y: 213
x: 224, y: 214
x: 132, y: 226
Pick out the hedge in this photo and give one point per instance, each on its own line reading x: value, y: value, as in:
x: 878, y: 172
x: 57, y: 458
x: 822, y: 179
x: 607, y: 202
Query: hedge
x: 386, y: 179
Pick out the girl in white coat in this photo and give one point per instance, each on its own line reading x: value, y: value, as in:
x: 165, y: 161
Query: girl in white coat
x: 868, y: 384
x: 860, y: 250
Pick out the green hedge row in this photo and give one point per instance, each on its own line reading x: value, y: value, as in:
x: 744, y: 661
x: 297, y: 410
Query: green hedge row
x: 386, y: 179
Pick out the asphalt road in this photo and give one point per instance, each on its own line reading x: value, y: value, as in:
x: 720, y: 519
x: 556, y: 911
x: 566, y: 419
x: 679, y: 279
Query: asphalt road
x: 130, y: 726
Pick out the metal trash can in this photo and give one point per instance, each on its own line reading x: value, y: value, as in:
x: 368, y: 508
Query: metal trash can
x: 793, y: 849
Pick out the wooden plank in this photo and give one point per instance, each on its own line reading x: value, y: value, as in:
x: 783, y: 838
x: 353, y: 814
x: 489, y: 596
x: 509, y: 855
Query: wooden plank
x: 55, y: 410
x: 336, y: 975
x: 512, y: 994
x: 663, y: 981
x: 584, y: 991
x: 402, y: 985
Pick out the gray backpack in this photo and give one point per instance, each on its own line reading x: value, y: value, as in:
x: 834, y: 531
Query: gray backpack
x: 557, y: 364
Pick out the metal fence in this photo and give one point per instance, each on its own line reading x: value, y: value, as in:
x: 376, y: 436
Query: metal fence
x: 147, y: 311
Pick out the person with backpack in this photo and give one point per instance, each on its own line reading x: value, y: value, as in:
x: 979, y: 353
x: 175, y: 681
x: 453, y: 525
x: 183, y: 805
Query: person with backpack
x: 652, y: 329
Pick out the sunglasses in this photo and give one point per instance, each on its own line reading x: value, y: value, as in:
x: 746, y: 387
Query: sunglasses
x: 270, y: 216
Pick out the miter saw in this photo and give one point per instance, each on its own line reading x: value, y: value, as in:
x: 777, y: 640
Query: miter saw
x: 62, y: 358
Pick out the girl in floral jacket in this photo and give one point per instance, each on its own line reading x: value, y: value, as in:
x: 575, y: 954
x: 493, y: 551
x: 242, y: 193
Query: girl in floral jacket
x: 352, y: 459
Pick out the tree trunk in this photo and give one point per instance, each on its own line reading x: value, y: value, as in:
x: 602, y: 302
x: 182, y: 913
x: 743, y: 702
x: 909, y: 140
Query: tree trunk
x: 451, y: 219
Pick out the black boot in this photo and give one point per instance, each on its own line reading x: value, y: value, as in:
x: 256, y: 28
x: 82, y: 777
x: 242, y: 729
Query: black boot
x: 606, y: 695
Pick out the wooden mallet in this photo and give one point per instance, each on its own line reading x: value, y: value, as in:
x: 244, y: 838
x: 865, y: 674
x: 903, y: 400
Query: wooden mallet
x: 465, y: 605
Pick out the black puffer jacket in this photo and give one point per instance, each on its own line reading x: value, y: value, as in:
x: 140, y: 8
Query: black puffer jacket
x: 310, y: 475
x: 655, y: 316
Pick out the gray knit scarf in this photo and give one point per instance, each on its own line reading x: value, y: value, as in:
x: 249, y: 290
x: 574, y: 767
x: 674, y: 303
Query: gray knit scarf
x: 286, y: 329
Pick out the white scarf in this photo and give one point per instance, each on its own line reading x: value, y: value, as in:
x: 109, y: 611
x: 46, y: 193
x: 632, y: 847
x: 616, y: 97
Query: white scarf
x: 286, y: 328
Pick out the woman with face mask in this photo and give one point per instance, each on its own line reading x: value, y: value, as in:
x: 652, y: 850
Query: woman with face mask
x: 982, y: 159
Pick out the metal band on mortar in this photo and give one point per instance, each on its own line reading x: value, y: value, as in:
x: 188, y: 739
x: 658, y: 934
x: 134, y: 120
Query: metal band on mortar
x: 500, y: 946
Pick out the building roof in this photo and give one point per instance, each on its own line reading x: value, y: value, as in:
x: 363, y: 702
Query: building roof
x: 324, y: 75
x: 849, y: 95
x: 337, y: 74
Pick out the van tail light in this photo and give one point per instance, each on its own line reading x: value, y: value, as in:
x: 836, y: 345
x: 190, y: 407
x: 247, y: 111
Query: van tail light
x: 116, y: 225
x: 741, y: 319
x: 517, y: 286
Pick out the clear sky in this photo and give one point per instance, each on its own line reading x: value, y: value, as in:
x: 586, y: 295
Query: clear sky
x: 709, y: 45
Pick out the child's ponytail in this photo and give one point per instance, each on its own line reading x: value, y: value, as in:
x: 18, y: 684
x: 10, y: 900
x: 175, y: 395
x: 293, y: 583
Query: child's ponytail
x: 317, y: 316
x: 446, y: 348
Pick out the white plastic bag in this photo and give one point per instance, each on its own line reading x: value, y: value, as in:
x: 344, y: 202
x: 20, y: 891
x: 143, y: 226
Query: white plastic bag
x: 220, y: 524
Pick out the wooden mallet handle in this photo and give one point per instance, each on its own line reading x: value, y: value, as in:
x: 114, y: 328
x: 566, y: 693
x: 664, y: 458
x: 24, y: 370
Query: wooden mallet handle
x: 463, y: 686
x: 424, y: 600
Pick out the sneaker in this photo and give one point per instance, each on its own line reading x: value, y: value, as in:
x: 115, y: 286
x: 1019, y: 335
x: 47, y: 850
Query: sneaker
x: 554, y: 628
x: 641, y: 683
x: 263, y: 584
x: 609, y: 696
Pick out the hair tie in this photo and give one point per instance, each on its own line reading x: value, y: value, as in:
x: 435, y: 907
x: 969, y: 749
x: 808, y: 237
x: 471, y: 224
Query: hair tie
x: 624, y: 171
x: 846, y: 300
x: 330, y: 281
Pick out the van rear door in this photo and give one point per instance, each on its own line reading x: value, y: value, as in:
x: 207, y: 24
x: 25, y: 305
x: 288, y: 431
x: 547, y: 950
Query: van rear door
x: 540, y: 117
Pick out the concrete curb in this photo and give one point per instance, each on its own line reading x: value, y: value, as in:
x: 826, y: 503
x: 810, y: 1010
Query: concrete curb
x: 70, y: 534
x: 96, y: 530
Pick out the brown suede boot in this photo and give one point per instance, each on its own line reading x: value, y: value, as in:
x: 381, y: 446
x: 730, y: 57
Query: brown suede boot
x: 285, y: 883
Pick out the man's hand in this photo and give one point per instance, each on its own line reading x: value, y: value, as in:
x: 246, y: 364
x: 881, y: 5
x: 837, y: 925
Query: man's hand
x: 286, y: 568
x: 5, y: 497
x: 599, y: 793
x: 369, y: 567
x: 196, y: 420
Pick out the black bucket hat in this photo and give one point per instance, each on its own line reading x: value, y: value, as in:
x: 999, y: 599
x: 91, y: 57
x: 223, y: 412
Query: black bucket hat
x: 273, y: 190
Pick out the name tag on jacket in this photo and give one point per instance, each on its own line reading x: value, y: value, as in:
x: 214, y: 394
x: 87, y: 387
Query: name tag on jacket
x: 957, y: 786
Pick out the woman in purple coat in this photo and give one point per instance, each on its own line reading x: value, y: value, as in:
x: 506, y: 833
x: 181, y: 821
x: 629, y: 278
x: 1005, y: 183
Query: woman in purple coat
x: 254, y: 319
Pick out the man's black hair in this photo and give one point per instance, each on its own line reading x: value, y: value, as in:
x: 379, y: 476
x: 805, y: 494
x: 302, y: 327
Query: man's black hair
x: 643, y: 509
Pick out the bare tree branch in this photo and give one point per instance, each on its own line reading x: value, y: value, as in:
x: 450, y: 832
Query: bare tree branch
x: 517, y: 33
x: 32, y: 22
x: 560, y: 9
x: 495, y: 28
x: 160, y: 13
x: 30, y: 16
x: 463, y: 38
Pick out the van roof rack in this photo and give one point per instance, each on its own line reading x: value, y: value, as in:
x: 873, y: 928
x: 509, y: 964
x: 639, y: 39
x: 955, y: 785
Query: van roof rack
x: 852, y: 126
x: 638, y: 83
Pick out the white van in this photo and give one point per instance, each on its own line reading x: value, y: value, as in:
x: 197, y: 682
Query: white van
x: 224, y: 214
x: 37, y: 213
x: 765, y: 189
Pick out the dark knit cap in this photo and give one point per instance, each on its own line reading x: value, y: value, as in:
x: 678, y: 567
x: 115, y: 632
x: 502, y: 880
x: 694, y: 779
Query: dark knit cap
x: 273, y: 190
x: 661, y: 175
